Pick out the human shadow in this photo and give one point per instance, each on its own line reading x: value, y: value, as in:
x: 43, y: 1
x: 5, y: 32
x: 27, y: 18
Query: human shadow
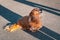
x: 13, y: 17
x: 46, y: 8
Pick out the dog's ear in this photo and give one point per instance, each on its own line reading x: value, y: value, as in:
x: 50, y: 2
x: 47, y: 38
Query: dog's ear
x: 31, y: 13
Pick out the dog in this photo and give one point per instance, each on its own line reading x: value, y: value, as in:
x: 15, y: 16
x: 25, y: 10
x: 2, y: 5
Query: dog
x: 35, y: 19
x: 32, y: 22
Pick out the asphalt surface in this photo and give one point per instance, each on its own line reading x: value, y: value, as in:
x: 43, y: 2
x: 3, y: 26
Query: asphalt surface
x: 12, y: 10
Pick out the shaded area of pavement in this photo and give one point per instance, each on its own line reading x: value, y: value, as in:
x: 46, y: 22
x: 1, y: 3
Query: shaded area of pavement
x: 45, y: 34
x: 46, y: 8
x: 50, y: 32
x: 9, y: 15
x: 13, y: 17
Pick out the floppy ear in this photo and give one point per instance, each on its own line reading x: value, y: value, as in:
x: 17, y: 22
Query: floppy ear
x: 31, y: 13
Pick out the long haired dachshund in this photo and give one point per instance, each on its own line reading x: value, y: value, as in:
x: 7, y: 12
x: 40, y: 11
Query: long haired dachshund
x: 32, y: 22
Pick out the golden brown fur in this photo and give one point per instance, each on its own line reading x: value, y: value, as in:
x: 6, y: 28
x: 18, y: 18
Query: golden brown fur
x: 31, y: 22
x: 35, y: 22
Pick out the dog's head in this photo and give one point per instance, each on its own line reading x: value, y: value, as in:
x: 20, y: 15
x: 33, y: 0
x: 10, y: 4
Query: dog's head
x: 34, y: 17
x: 35, y: 11
x: 35, y: 14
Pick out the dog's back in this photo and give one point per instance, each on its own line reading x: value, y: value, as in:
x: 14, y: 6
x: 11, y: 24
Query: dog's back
x: 24, y: 22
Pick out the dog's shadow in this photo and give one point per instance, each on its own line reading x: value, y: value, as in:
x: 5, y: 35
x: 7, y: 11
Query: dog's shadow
x: 44, y: 34
x: 41, y: 34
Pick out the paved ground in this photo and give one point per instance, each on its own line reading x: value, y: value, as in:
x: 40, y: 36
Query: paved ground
x: 12, y: 10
